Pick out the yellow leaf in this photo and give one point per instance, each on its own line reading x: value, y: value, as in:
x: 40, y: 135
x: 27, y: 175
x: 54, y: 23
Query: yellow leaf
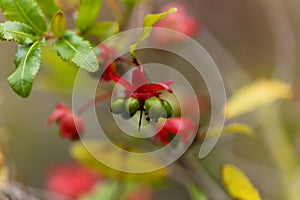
x: 260, y: 93
x: 237, y: 128
x: 237, y: 183
x: 232, y: 129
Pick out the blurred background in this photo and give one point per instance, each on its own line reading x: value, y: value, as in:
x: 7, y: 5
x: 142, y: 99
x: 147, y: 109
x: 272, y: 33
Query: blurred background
x: 247, y: 39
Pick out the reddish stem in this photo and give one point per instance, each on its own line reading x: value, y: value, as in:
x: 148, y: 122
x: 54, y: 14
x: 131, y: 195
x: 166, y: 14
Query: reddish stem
x: 138, y: 64
x: 125, y: 60
x: 142, y: 68
x: 92, y: 102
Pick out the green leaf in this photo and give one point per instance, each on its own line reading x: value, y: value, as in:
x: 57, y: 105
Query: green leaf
x: 17, y: 31
x: 195, y: 192
x: 58, y: 24
x: 149, y: 21
x: 103, y: 30
x: 237, y: 183
x: 26, y: 11
x: 88, y: 11
x: 27, y: 62
x: 258, y: 94
x: 72, y: 47
x: 48, y: 6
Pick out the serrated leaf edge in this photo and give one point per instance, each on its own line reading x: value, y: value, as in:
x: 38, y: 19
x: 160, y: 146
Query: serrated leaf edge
x: 78, y: 52
x: 147, y: 29
x: 16, y: 32
x: 23, y: 94
x: 28, y: 19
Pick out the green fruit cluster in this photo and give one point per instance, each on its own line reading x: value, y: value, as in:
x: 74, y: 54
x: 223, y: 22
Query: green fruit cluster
x: 125, y: 107
x: 154, y: 108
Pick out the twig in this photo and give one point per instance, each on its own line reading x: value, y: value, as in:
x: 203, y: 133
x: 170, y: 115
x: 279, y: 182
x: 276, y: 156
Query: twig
x: 99, y: 98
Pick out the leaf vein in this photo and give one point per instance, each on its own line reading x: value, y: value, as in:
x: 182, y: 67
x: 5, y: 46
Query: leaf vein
x: 16, y: 32
x: 24, y: 66
x: 28, y: 19
x: 74, y: 48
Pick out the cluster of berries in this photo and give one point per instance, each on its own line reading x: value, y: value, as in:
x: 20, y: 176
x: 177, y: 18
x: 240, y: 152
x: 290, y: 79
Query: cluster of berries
x: 140, y: 95
x: 154, y: 108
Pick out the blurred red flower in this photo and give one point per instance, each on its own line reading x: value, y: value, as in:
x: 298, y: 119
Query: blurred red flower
x: 180, y: 21
x: 172, y: 127
x: 107, y: 59
x: 71, y: 180
x: 70, y: 125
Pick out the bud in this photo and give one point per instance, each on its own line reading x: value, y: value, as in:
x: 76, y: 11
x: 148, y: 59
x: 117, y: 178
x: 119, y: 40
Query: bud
x: 118, y: 105
x: 153, y: 107
x: 125, y: 115
x: 131, y: 105
x: 70, y: 125
x: 168, y: 110
x: 149, y: 102
x: 156, y: 111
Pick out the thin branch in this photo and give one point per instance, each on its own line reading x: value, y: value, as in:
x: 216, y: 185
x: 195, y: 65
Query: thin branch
x: 98, y: 99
